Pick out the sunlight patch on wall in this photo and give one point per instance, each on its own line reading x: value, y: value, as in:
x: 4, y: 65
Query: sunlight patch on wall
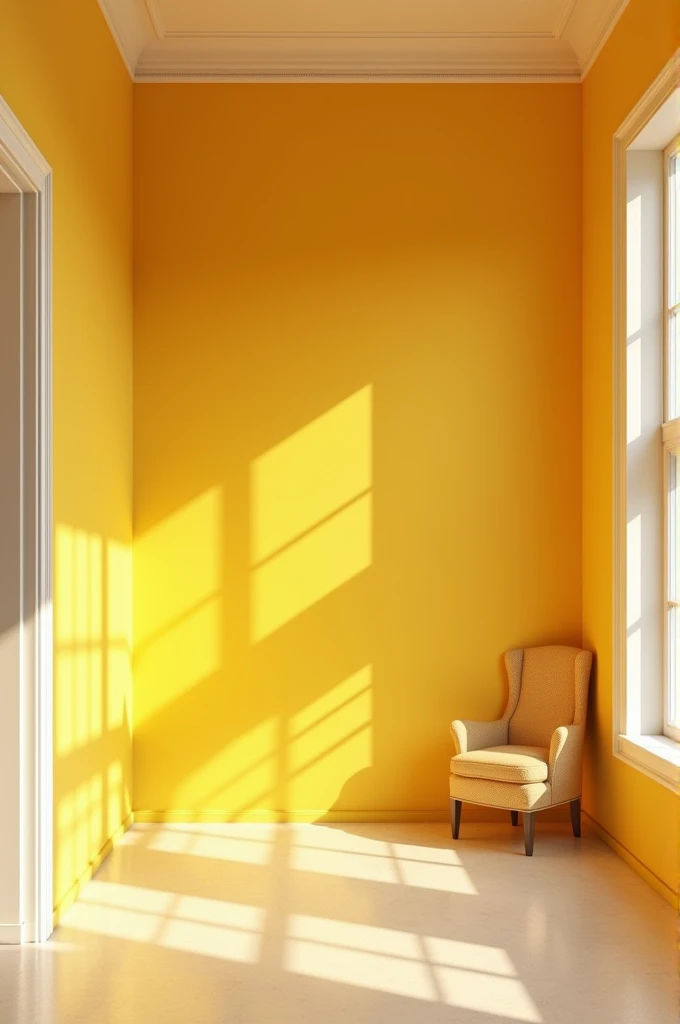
x: 79, y: 631
x: 119, y: 632
x: 93, y: 679
x: 329, y: 741
x: 311, y: 514
x: 178, y: 659
x: 92, y: 697
x: 246, y: 769
x: 114, y: 794
x: 178, y: 603
x: 79, y: 831
x: 178, y: 564
x: 310, y: 475
x: 314, y: 567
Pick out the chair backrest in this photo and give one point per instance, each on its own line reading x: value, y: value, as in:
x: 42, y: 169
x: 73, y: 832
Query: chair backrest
x: 553, y: 691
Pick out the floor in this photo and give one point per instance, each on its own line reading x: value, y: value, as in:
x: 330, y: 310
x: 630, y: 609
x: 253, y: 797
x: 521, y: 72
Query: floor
x: 314, y: 924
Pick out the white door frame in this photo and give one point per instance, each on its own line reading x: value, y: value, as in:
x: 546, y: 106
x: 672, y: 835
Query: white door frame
x: 29, y: 172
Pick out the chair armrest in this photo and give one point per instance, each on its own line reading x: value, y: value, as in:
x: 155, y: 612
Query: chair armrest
x: 564, y: 763
x: 477, y: 735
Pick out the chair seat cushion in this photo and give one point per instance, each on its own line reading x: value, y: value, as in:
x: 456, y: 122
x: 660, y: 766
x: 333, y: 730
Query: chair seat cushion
x: 503, y: 764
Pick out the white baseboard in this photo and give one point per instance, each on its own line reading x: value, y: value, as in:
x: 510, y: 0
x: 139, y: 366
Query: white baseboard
x: 10, y: 934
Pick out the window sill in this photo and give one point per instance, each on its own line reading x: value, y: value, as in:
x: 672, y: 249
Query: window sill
x: 656, y: 756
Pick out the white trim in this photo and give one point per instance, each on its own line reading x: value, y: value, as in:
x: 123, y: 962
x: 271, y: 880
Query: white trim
x: 658, y: 757
x: 564, y: 17
x: 625, y: 747
x: 670, y: 434
x: 603, y: 35
x: 130, y: 25
x: 333, y: 35
x: 256, y: 77
x: 153, y: 52
x: 153, y: 7
x: 334, y: 57
x: 22, y: 160
x: 332, y: 77
x: 44, y: 730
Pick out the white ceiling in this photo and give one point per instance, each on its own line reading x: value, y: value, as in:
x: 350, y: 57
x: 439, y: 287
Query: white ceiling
x: 398, y: 40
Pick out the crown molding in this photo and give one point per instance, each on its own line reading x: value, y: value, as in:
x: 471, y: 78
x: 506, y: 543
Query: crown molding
x: 154, y: 11
x: 131, y: 27
x: 356, y: 58
x: 564, y: 17
x: 617, y: 9
x: 565, y: 54
x: 589, y: 26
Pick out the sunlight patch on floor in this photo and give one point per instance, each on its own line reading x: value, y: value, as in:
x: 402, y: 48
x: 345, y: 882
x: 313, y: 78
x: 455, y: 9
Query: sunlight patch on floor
x: 193, y: 924
x: 332, y: 852
x: 460, y: 974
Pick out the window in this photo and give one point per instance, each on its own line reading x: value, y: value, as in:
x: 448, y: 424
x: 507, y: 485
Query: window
x: 646, y: 614
x: 671, y: 436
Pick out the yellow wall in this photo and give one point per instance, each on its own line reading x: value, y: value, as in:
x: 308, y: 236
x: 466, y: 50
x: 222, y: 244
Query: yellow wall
x: 638, y: 812
x: 357, y: 444
x: 357, y: 452
x: 64, y: 80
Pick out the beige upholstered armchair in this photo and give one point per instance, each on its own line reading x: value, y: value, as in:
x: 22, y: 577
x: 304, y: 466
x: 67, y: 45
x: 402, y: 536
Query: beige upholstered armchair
x: 531, y: 757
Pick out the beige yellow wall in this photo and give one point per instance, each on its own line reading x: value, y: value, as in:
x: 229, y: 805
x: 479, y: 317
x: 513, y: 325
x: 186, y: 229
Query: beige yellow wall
x: 357, y: 434
x: 638, y: 812
x: 357, y: 450
x: 64, y: 80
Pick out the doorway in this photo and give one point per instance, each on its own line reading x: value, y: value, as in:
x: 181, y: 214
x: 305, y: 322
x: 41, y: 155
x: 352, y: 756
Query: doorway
x: 25, y: 538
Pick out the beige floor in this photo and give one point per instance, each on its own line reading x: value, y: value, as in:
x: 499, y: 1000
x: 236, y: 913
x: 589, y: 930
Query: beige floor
x: 352, y: 923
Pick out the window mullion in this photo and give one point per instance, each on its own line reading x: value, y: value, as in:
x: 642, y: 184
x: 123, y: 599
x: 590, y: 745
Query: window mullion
x: 670, y: 434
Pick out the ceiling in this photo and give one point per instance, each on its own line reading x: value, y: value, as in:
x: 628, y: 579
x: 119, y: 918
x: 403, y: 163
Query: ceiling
x: 346, y: 40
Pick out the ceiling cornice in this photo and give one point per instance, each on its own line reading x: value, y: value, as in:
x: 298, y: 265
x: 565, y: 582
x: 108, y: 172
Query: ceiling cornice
x: 154, y: 54
x: 589, y: 26
x: 131, y: 28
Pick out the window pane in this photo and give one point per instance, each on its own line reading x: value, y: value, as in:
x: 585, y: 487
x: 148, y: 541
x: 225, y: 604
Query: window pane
x: 673, y: 368
x: 673, y: 589
x: 674, y: 667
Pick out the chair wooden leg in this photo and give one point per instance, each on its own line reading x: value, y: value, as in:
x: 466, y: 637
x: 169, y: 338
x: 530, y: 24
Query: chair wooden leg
x: 529, y: 822
x: 575, y: 808
x: 456, y: 806
x: 514, y: 817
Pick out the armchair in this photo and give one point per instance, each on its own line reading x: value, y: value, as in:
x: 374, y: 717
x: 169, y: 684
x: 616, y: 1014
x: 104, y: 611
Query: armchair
x: 531, y: 757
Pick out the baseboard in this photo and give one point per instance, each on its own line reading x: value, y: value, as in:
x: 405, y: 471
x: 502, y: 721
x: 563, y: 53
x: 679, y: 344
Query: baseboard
x: 65, y: 902
x: 670, y: 895
x: 269, y: 817
x: 11, y: 934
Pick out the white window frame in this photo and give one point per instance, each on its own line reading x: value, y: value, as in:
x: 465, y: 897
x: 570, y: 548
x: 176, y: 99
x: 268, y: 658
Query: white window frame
x: 657, y: 756
x: 670, y: 440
